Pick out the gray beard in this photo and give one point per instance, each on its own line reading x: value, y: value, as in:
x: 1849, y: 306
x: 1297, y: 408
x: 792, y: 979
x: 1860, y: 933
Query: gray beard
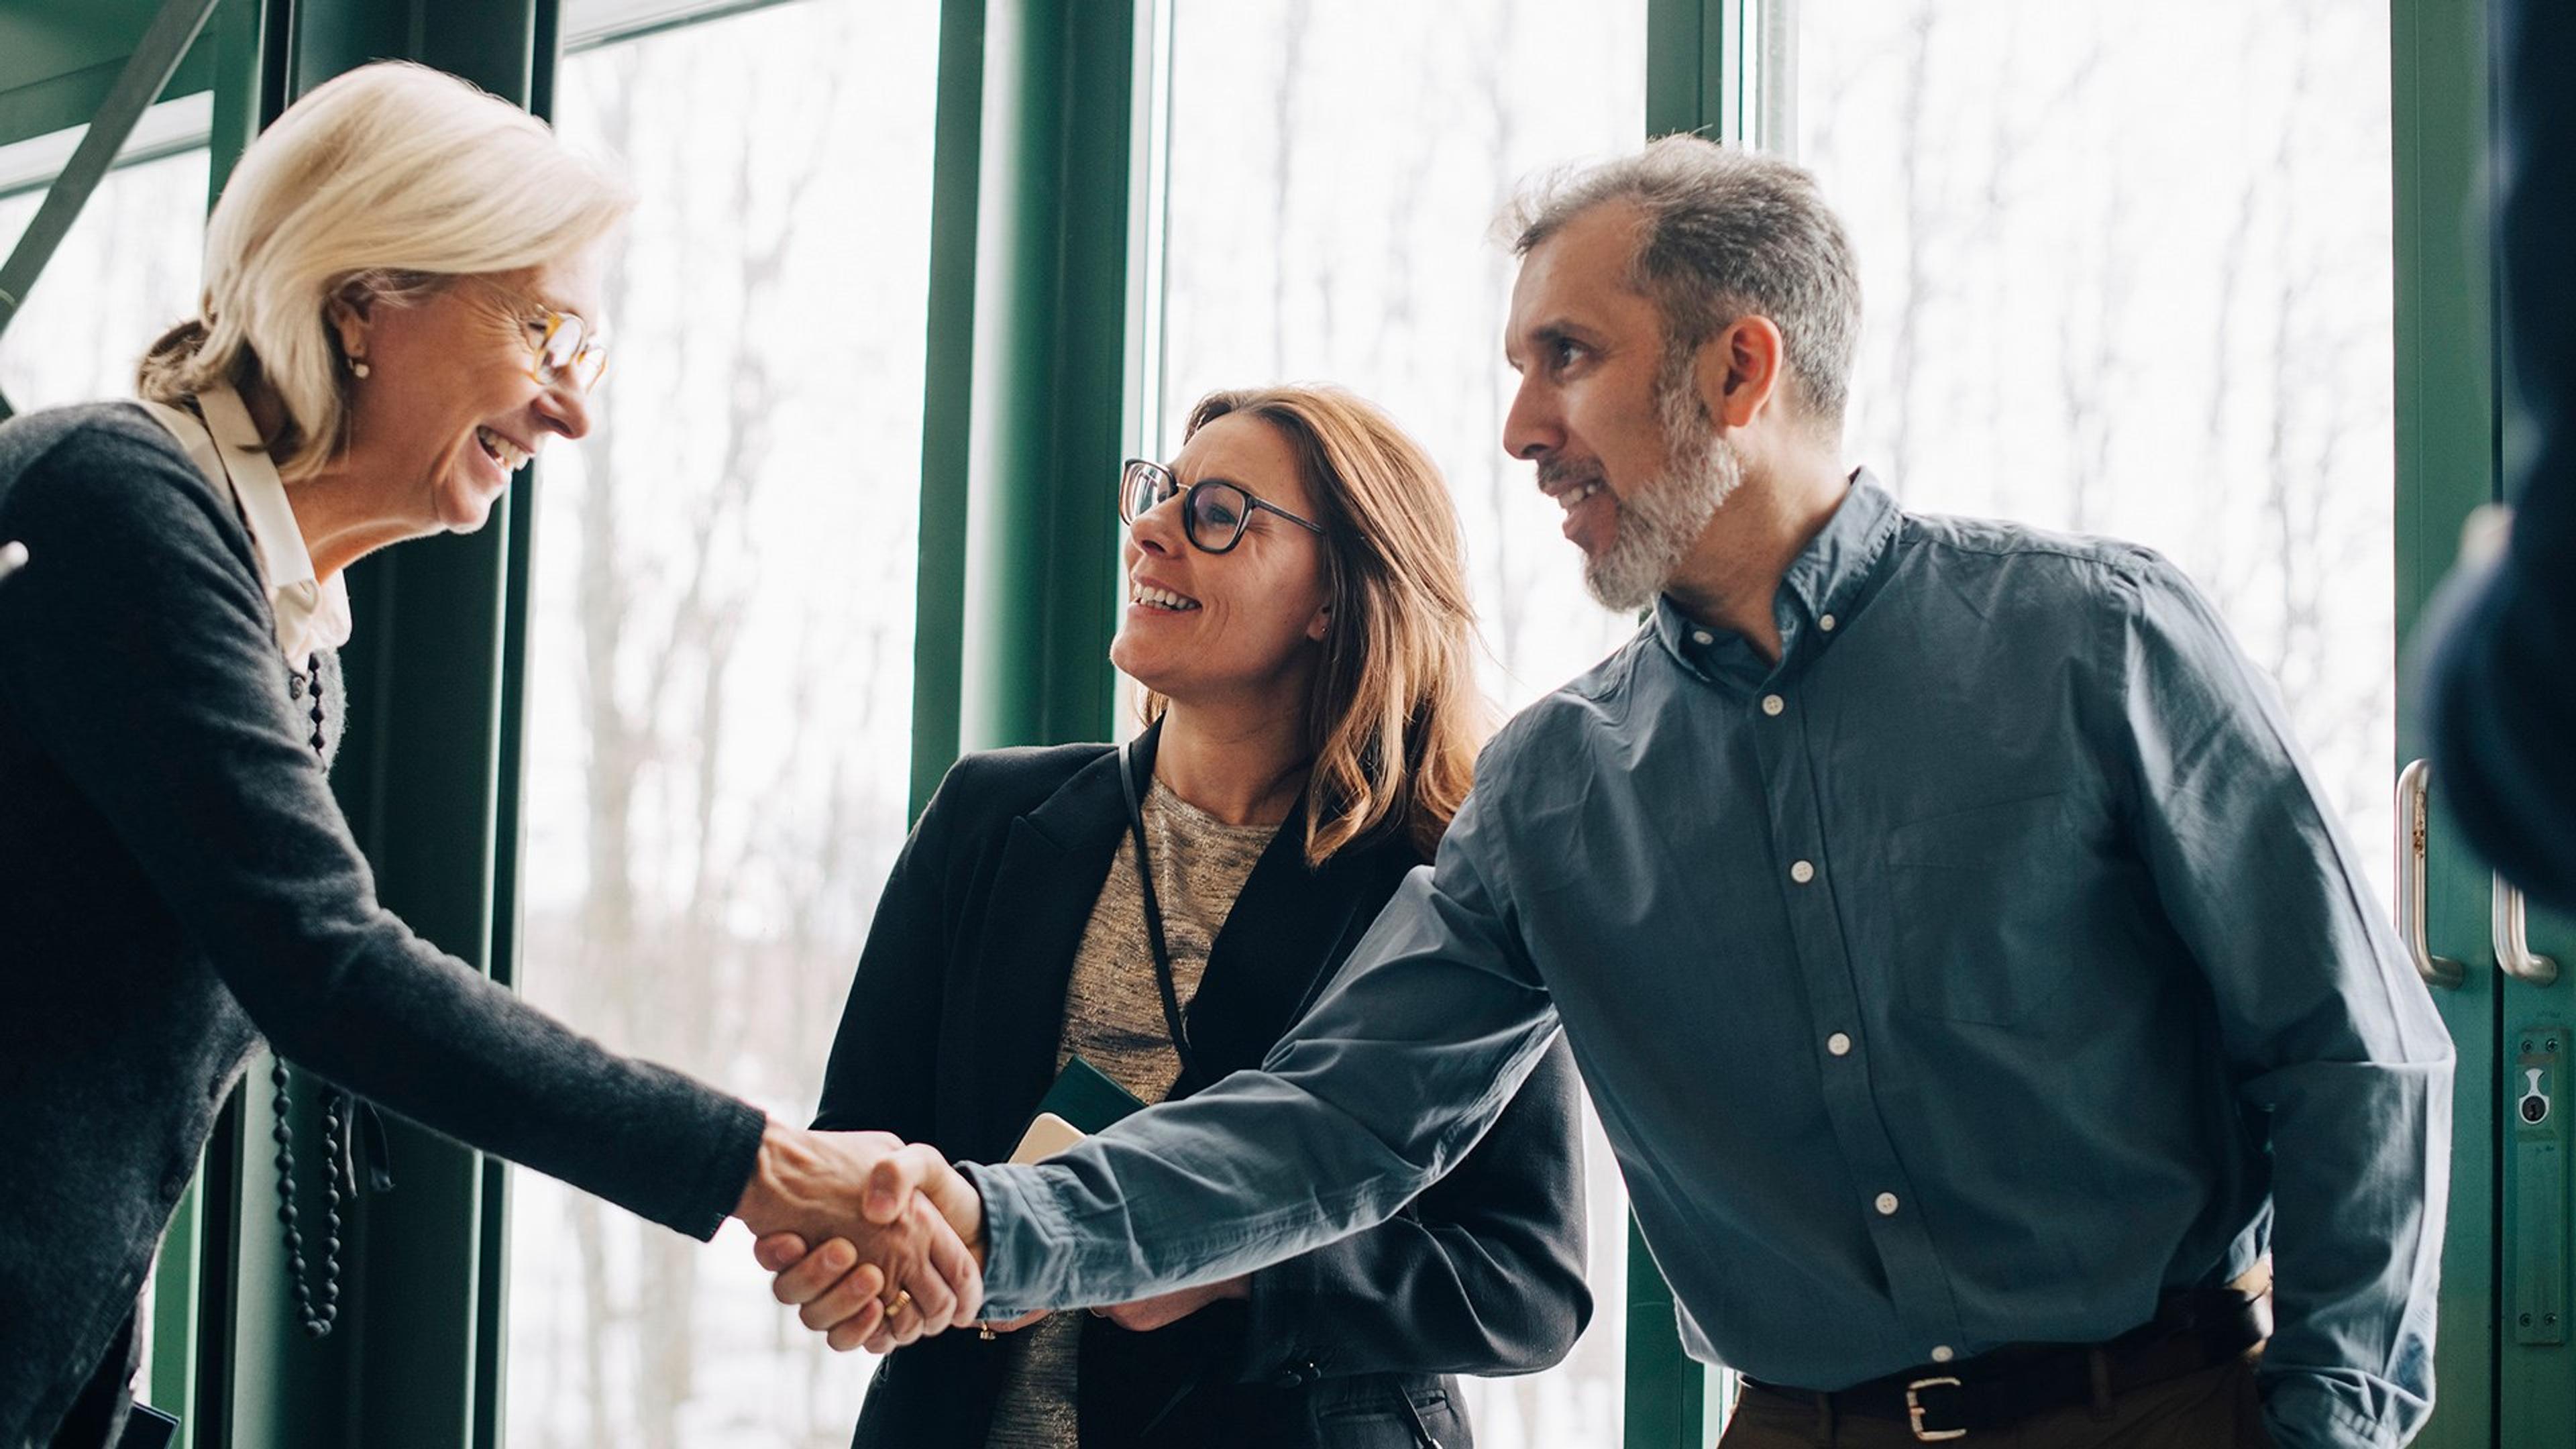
x: 1660, y: 522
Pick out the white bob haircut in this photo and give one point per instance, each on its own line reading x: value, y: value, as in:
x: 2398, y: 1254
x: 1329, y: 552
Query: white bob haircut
x: 379, y: 187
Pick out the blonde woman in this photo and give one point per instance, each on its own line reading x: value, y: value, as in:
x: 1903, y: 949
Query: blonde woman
x: 1298, y: 617
x: 401, y: 307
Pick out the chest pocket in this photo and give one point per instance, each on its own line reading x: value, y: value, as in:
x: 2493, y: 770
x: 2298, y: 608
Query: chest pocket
x: 1980, y: 911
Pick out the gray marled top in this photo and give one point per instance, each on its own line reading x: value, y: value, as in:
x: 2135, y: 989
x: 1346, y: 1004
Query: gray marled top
x: 1113, y: 1016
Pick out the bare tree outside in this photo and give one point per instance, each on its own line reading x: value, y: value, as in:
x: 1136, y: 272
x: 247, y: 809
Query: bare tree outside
x: 2129, y: 272
x: 720, y: 697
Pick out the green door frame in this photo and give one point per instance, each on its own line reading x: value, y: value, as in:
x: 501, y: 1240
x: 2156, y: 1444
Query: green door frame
x: 2445, y: 431
x: 2535, y: 1377
x: 2495, y: 1388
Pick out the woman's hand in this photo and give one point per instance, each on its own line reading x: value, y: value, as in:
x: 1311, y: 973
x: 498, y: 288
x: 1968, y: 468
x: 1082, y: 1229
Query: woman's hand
x: 1147, y: 1314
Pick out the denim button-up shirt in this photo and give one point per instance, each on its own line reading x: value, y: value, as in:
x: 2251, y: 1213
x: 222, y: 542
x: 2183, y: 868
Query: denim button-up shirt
x: 1979, y: 971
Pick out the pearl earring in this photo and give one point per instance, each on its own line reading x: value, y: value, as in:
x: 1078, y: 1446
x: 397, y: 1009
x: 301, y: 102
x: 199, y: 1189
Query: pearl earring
x: 359, y: 366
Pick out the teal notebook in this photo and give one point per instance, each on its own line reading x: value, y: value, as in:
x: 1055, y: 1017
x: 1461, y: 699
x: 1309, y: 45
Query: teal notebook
x: 1082, y: 1101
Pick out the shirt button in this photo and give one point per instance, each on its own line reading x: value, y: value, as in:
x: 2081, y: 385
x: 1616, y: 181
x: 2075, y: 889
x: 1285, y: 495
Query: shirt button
x: 1941, y: 1353
x: 1839, y: 1044
x: 1702, y: 637
x: 1887, y: 1204
x: 1801, y: 872
x: 1773, y: 704
x: 1826, y: 623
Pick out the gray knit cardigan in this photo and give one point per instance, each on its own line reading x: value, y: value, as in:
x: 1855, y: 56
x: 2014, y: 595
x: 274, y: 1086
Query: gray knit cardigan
x: 176, y: 884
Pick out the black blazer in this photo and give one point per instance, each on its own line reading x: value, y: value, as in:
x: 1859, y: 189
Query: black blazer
x: 951, y: 1035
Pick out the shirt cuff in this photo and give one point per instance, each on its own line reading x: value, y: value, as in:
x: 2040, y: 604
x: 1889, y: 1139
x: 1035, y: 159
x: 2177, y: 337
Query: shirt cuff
x: 1015, y: 1245
x: 2304, y: 1412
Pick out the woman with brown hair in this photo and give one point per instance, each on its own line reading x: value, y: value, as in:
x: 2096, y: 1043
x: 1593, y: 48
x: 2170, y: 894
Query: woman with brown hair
x: 1297, y: 618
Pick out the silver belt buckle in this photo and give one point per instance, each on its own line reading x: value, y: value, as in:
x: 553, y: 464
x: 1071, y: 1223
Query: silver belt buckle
x: 1914, y: 1411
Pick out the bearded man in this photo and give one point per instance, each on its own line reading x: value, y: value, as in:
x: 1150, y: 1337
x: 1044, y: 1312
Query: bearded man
x: 1979, y: 996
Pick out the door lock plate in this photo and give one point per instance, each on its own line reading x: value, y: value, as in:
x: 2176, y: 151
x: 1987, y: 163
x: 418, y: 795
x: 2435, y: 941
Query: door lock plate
x: 2539, y: 1189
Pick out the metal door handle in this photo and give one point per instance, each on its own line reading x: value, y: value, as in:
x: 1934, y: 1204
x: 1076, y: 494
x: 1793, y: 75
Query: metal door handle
x: 2413, y: 789
x: 2514, y: 956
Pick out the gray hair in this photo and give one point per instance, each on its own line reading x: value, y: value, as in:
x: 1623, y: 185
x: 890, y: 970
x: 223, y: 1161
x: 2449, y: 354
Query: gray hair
x: 1726, y: 233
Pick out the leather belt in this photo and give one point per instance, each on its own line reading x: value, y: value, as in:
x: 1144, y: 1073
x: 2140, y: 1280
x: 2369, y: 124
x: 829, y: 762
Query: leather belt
x: 2193, y: 1330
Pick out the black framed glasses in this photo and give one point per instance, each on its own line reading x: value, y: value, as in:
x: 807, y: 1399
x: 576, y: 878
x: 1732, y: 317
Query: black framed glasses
x: 1213, y: 511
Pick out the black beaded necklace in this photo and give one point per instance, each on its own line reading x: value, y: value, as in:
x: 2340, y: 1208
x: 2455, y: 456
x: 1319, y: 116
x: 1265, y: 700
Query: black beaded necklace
x: 340, y: 1107
x: 317, y: 1323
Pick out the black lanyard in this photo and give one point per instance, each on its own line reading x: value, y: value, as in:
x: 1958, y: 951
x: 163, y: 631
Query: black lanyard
x: 1173, y: 1021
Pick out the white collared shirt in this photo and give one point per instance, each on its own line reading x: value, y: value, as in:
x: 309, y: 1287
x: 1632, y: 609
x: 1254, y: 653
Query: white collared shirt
x: 312, y: 614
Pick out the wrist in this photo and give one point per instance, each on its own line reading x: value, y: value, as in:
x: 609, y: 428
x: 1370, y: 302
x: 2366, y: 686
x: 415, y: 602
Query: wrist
x: 775, y: 1169
x: 976, y: 1234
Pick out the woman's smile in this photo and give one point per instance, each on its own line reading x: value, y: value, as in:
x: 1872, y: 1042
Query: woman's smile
x: 1146, y: 600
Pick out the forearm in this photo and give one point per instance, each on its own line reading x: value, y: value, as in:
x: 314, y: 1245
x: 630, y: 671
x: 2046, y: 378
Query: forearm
x: 1226, y: 1182
x: 2360, y: 1187
x: 424, y: 1036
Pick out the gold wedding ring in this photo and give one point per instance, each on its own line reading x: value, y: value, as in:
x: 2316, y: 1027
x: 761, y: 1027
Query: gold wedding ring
x: 901, y: 1300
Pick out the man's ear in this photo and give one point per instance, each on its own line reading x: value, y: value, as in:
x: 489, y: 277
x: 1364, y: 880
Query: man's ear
x: 1741, y: 369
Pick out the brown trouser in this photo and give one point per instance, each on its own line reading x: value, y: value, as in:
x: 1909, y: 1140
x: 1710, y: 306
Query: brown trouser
x: 2213, y: 1409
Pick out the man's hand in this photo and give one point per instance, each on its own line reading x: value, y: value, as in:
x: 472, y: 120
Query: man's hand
x: 884, y: 1213
x: 812, y: 1280
x: 1147, y: 1314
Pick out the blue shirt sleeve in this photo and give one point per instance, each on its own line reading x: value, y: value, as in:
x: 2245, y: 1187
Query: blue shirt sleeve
x: 1391, y: 1078
x: 2338, y: 1056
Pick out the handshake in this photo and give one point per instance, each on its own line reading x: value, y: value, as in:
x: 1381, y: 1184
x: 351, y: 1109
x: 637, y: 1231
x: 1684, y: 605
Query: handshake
x: 876, y: 1243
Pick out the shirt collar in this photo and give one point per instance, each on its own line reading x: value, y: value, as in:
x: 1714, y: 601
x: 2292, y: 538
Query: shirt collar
x: 312, y: 614
x: 1829, y: 579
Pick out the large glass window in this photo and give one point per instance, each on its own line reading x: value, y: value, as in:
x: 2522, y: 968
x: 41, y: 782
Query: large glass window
x: 126, y: 271
x: 1335, y: 170
x: 2129, y: 272
x: 719, y: 703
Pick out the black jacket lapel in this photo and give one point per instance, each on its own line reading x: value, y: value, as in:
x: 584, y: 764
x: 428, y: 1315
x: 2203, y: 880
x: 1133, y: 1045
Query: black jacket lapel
x: 1269, y: 958
x: 1008, y: 1013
